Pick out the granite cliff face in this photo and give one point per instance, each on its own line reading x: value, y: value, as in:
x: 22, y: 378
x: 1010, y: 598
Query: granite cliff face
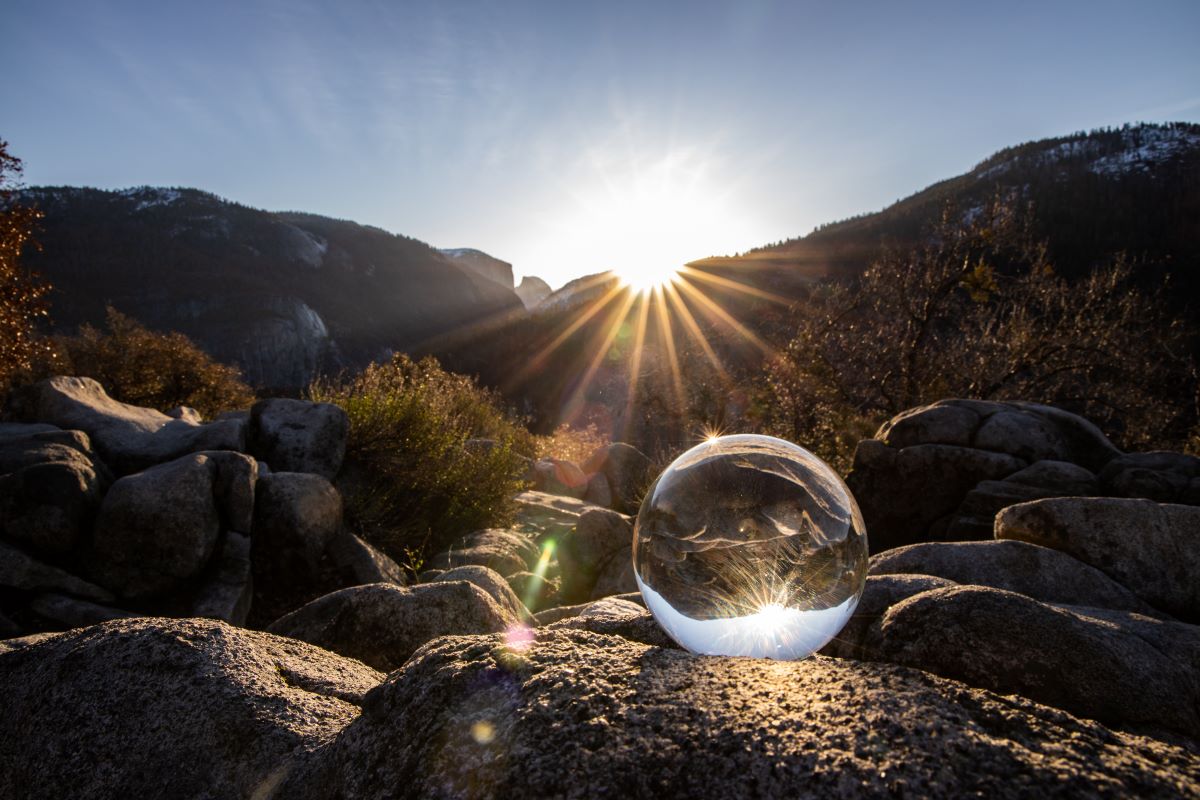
x: 282, y: 295
x: 481, y: 264
x: 533, y: 290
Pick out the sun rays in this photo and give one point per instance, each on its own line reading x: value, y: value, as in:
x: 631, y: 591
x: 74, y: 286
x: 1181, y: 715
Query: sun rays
x: 644, y: 279
x: 639, y: 328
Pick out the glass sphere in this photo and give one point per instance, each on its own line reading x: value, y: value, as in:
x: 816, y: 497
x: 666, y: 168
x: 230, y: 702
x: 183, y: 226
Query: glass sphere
x: 750, y: 546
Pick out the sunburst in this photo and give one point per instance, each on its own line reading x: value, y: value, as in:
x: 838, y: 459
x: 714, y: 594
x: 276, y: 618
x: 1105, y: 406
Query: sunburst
x: 639, y: 225
x: 645, y: 277
x: 662, y: 314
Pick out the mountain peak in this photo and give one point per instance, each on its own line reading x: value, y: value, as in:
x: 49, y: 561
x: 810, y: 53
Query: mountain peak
x: 482, y: 264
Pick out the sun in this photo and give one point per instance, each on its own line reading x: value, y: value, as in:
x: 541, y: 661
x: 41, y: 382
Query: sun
x: 640, y: 219
x: 644, y: 278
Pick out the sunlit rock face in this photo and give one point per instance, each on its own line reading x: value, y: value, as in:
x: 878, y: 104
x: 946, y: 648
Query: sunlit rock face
x: 750, y: 546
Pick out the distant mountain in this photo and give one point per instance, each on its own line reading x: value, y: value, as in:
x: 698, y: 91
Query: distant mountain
x: 1134, y: 189
x: 532, y: 291
x: 575, y: 293
x: 282, y: 295
x: 481, y: 264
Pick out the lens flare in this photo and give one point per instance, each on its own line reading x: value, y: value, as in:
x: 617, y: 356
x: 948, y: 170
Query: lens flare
x: 483, y: 732
x: 519, y: 637
x: 539, y: 575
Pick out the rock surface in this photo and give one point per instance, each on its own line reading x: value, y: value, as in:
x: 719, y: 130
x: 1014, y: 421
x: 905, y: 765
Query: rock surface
x: 358, y: 562
x: 601, y: 543
x: 579, y: 714
x: 1160, y: 476
x: 233, y: 488
x: 1038, y: 572
x: 548, y: 516
x: 298, y: 436
x: 903, y: 493
x: 50, y: 488
x: 506, y: 551
x: 617, y: 617
x: 856, y: 639
x: 554, y: 476
x: 627, y: 471
x: 1010, y: 643
x: 940, y: 472
x: 229, y: 590
x: 616, y: 577
x: 168, y: 708
x: 128, y: 438
x: 19, y: 570
x: 1059, y: 476
x: 598, y: 493
x: 1029, y: 431
x: 8, y: 645
x: 537, y: 592
x: 491, y: 582
x: 296, y: 517
x: 71, y: 612
x: 157, y: 529
x: 532, y: 290
x: 383, y: 624
x: 1153, y: 549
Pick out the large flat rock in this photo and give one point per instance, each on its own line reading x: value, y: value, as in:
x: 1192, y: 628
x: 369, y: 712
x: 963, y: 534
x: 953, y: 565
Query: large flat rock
x: 382, y: 624
x: 1117, y: 673
x: 1039, y: 572
x: 1151, y: 548
x: 156, y: 708
x: 581, y: 714
x: 128, y: 438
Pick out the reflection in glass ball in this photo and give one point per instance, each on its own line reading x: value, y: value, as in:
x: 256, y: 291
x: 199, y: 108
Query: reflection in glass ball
x: 750, y: 546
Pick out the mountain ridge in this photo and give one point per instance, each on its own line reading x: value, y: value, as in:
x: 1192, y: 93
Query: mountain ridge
x: 284, y: 295
x: 1149, y: 210
x: 1087, y: 214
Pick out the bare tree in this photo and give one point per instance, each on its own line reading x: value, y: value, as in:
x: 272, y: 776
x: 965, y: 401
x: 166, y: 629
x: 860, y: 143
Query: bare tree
x: 977, y: 311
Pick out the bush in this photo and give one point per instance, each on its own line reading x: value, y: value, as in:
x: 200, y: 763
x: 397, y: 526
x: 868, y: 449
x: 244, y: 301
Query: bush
x: 139, y: 366
x: 410, y: 482
x: 571, y: 444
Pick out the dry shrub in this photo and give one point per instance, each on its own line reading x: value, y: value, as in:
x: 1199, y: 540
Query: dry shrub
x: 571, y: 444
x: 411, y: 483
x: 145, y: 368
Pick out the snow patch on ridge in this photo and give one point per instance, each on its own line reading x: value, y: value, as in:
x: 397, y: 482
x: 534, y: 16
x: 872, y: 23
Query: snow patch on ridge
x: 1141, y: 150
x: 1154, y: 146
x: 150, y: 196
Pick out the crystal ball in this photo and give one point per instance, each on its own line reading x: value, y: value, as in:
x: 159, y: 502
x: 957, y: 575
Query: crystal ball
x: 750, y: 546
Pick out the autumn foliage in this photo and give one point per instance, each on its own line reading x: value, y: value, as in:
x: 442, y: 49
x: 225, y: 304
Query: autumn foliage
x: 22, y: 294
x: 147, y: 368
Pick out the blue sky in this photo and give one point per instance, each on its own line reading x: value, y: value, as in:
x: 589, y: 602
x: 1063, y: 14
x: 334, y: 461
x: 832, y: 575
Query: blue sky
x: 565, y: 135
